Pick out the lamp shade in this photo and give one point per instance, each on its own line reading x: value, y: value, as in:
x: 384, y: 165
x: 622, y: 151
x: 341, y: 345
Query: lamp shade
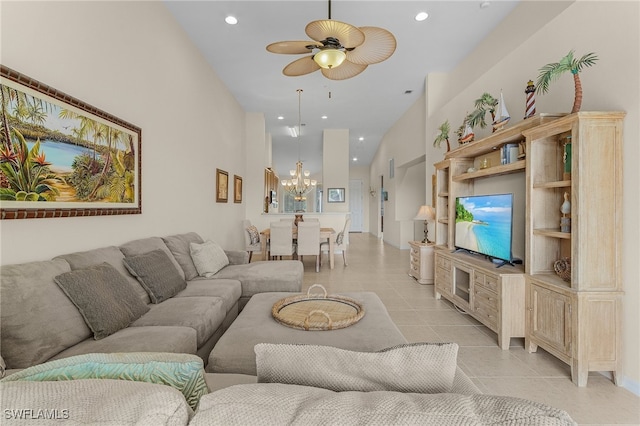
x: 425, y: 213
x: 329, y: 58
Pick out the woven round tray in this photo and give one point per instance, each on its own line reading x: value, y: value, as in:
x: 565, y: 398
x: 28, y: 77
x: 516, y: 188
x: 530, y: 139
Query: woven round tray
x: 317, y: 311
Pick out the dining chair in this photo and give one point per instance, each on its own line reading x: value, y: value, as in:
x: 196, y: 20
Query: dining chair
x: 309, y: 241
x: 281, y: 240
x: 342, y: 241
x: 252, y: 238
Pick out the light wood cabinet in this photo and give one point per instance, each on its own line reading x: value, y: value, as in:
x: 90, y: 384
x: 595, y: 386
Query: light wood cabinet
x: 493, y: 296
x: 578, y: 320
x: 421, y: 262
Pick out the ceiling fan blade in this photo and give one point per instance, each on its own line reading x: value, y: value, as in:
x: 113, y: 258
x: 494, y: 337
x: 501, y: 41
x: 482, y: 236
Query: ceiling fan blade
x: 292, y: 47
x: 344, y: 71
x: 301, y: 66
x: 379, y: 45
x: 348, y: 35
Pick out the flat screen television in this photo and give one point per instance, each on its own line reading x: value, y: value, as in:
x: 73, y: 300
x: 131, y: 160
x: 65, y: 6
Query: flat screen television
x: 484, y: 224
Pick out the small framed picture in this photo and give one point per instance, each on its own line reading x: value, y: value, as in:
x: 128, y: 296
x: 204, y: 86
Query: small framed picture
x: 335, y: 195
x: 237, y: 189
x: 222, y: 186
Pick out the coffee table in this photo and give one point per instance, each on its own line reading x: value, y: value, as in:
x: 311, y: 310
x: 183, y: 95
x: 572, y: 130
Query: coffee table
x: 233, y: 353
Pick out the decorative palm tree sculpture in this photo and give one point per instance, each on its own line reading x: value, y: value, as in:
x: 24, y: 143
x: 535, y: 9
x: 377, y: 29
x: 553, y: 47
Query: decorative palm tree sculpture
x: 443, y: 136
x: 486, y: 103
x: 552, y: 71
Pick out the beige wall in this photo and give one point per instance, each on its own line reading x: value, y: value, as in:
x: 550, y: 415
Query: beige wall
x: 132, y: 60
x: 335, y: 167
x: 535, y: 34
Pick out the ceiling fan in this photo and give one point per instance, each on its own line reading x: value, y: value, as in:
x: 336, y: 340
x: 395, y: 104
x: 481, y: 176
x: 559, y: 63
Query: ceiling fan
x: 342, y: 50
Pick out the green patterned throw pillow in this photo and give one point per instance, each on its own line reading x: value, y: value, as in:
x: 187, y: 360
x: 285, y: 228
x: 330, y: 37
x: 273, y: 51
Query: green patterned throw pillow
x: 183, y: 372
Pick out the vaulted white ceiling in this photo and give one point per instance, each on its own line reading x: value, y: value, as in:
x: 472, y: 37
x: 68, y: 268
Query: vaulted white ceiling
x: 368, y: 104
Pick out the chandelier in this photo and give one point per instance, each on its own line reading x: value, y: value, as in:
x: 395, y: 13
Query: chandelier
x: 299, y: 185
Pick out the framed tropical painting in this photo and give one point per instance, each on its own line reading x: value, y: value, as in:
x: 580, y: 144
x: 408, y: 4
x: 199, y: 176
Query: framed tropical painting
x: 60, y: 157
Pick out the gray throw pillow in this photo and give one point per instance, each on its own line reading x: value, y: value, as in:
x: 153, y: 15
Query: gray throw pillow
x: 104, y: 298
x: 414, y: 367
x: 157, y: 274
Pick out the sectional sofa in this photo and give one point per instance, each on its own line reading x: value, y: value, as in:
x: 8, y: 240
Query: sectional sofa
x: 77, y: 351
x: 177, y: 309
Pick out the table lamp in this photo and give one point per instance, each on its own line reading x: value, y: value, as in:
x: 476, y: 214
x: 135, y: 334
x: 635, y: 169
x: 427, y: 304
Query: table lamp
x: 425, y: 213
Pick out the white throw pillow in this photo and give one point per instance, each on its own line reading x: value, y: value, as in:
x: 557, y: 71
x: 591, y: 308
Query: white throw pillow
x: 413, y: 367
x: 208, y: 258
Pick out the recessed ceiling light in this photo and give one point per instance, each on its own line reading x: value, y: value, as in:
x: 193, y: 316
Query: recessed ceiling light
x: 421, y: 16
x: 231, y: 20
x: 280, y: 117
x: 324, y: 117
x: 355, y: 158
x: 485, y: 4
x: 360, y: 138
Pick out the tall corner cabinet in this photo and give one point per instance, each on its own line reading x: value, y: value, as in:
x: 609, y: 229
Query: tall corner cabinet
x: 578, y: 320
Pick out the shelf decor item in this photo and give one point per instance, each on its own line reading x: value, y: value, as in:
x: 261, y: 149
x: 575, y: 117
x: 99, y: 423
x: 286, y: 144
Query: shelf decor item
x: 566, y: 158
x: 467, y: 135
x: 552, y: 71
x: 444, y: 128
x: 502, y: 115
x: 563, y: 268
x: 565, y: 209
x: 485, y: 103
x: 530, y: 105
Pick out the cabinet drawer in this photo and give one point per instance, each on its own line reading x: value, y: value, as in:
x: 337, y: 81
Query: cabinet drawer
x: 415, y: 253
x: 485, y: 298
x: 414, y: 269
x: 486, y: 316
x: 443, y: 275
x: 443, y: 263
x: 488, y: 281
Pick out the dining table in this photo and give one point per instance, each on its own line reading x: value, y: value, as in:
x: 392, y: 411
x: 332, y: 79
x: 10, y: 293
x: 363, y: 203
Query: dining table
x: 325, y: 234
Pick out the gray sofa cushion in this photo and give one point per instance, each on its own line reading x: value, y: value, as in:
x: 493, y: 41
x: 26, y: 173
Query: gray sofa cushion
x: 263, y: 276
x: 172, y: 339
x: 37, y: 319
x: 157, y: 274
x: 280, y: 404
x: 414, y: 367
x: 145, y: 245
x: 179, y: 247
x: 203, y: 314
x: 109, y: 254
x: 227, y: 290
x: 103, y: 297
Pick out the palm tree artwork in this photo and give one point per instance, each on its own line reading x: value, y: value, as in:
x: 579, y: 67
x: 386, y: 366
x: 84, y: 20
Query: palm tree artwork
x: 552, y: 71
x: 443, y: 136
x: 485, y: 103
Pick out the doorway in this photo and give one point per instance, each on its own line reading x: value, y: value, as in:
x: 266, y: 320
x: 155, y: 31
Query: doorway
x: 355, y: 205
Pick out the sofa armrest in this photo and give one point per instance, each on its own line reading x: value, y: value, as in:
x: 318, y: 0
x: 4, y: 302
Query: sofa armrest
x: 237, y: 257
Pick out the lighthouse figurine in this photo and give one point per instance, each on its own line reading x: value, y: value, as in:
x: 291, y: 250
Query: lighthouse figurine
x: 530, y: 109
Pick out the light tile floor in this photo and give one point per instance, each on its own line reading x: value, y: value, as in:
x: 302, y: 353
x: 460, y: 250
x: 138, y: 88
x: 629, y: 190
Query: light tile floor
x: 378, y: 267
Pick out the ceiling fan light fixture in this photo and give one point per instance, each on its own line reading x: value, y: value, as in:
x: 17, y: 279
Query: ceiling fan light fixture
x: 329, y: 58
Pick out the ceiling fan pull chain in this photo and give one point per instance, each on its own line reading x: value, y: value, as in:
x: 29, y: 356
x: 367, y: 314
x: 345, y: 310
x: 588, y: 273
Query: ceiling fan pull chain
x: 329, y: 9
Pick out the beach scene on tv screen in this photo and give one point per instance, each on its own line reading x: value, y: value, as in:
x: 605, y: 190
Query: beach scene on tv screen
x: 483, y: 224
